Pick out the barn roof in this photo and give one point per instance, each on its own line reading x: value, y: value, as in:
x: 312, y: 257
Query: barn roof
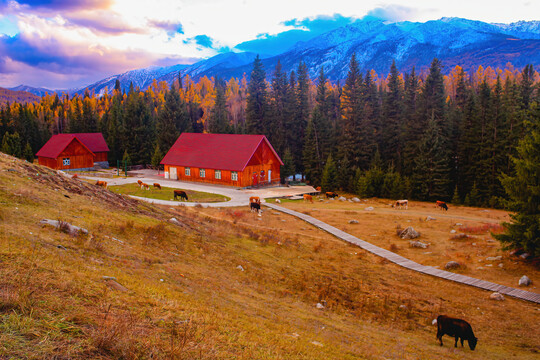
x: 215, y: 151
x: 94, y: 142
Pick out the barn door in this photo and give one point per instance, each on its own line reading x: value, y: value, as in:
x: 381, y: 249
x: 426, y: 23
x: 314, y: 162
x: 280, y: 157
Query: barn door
x: 269, y: 176
x: 172, y: 173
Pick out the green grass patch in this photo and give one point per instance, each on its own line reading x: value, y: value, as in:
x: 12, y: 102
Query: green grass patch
x: 166, y: 193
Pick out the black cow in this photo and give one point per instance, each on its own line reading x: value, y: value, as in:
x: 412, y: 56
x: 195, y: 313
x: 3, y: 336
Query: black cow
x: 255, y: 207
x: 331, y: 194
x: 459, y: 329
x: 180, y: 193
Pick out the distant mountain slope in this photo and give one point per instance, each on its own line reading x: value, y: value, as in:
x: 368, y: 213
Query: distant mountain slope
x: 7, y: 95
x: 33, y: 90
x: 454, y: 41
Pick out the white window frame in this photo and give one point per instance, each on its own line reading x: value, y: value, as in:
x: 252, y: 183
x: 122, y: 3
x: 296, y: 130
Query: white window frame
x: 234, y: 175
x: 66, y: 161
x: 187, y: 171
x: 202, y: 173
x: 217, y: 174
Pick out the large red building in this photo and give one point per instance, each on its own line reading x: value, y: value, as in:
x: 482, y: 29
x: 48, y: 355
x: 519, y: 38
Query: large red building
x: 74, y: 151
x: 235, y: 160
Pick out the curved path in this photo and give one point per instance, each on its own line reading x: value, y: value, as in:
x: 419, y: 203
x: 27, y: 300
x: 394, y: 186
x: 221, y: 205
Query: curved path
x: 409, y: 264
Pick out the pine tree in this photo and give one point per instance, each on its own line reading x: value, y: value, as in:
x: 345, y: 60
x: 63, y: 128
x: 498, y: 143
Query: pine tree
x: 392, y: 136
x: 28, y: 154
x: 287, y: 169
x: 218, y: 120
x: 310, y: 156
x: 329, y: 176
x: 257, y: 107
x: 157, y: 156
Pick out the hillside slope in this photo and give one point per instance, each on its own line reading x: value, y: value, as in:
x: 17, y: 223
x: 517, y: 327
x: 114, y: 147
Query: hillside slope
x: 207, y: 288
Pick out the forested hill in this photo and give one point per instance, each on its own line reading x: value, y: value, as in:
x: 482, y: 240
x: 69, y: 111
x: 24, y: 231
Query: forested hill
x: 11, y: 96
x: 419, y: 136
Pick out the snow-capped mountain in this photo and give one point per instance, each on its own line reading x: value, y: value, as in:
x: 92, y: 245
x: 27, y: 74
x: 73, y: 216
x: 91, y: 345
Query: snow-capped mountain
x: 454, y: 41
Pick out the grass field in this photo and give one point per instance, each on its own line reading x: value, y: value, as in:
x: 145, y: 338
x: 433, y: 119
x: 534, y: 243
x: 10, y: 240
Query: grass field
x: 166, y: 193
x: 220, y: 284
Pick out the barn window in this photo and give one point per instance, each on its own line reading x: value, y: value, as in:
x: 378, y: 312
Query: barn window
x: 187, y: 171
x: 234, y: 175
x: 66, y: 161
x: 218, y: 174
x: 202, y: 172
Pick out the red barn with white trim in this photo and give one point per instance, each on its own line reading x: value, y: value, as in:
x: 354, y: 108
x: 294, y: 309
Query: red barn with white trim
x: 227, y: 159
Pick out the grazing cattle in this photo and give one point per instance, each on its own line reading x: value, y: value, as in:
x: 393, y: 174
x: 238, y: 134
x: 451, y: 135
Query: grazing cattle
x: 401, y: 203
x: 75, y: 176
x: 331, y: 194
x: 255, y: 207
x: 278, y: 201
x: 103, y: 184
x: 308, y: 198
x: 318, y: 188
x: 459, y: 329
x: 139, y: 182
x: 156, y: 185
x: 255, y: 199
x: 442, y: 205
x: 180, y: 193
x: 145, y: 186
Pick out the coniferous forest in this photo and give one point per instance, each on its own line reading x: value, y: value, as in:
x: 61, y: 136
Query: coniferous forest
x: 423, y: 136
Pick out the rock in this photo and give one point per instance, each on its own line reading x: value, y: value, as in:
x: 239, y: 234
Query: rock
x: 239, y: 267
x: 409, y: 233
x: 453, y: 231
x: 524, y: 256
x: 64, y: 226
x: 459, y: 224
x: 321, y: 200
x: 112, y: 283
x: 525, y: 281
x: 501, y: 265
x: 320, y: 306
x: 418, y: 244
x: 403, y: 307
x: 369, y: 208
x: 349, y: 200
x: 61, y: 247
x: 341, y: 198
x: 452, y: 265
x: 353, y: 222
x: 316, y: 343
x: 429, y: 218
x: 496, y: 296
x: 494, y: 258
x: 175, y: 221
x: 355, y: 199
x: 332, y: 199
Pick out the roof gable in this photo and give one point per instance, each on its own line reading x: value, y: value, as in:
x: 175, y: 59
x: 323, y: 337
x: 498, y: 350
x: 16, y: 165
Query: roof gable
x: 58, y: 143
x: 214, y: 151
x: 93, y: 141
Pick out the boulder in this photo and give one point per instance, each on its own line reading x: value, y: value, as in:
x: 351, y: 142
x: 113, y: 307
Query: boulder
x: 320, y: 306
x: 278, y: 201
x: 342, y: 198
x: 494, y: 258
x: 239, y: 267
x: 418, y: 244
x: 409, y: 233
x: 369, y: 208
x: 452, y: 231
x: 353, y: 221
x: 496, y: 296
x: 452, y: 265
x: 355, y: 199
x: 524, y: 256
x: 525, y: 281
x: 64, y: 226
x: 429, y: 218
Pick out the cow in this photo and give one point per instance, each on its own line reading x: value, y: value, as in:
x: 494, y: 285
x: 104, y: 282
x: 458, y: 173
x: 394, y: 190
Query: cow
x: 255, y: 207
x: 318, y: 188
x: 180, y: 193
x: 278, y: 201
x: 401, y: 203
x: 103, y: 184
x: 75, y: 176
x: 308, y: 198
x: 331, y: 194
x: 255, y: 199
x: 139, y: 182
x: 442, y: 205
x: 145, y: 186
x: 459, y: 329
x: 156, y: 185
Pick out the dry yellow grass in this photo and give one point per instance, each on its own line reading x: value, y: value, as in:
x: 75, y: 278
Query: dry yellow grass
x: 186, y: 297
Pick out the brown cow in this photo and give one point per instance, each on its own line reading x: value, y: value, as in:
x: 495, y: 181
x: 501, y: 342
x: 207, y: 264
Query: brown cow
x: 331, y: 194
x: 145, y: 186
x: 180, y: 193
x: 101, y: 183
x: 401, y: 203
x: 459, y: 329
x: 318, y: 188
x: 255, y: 207
x: 156, y: 185
x: 255, y: 199
x: 139, y: 182
x: 442, y: 205
x: 308, y: 198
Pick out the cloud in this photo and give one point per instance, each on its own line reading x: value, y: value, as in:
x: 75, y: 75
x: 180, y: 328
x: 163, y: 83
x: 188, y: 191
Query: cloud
x: 392, y: 13
x: 302, y: 30
x: 58, y: 5
x: 103, y: 22
x: 170, y: 27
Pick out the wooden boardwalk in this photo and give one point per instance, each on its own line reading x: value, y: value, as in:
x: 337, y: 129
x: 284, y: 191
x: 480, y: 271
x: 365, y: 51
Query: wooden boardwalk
x: 409, y: 264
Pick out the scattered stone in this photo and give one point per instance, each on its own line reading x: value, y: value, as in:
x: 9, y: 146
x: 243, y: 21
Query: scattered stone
x: 109, y: 278
x: 342, y: 198
x: 453, y: 231
x: 494, y: 258
x: 459, y: 224
x: 355, y: 199
x: 452, y: 265
x: 497, y: 296
x: 409, y: 233
x: 429, y: 218
x: 353, y: 222
x: 64, y: 226
x: 320, y: 306
x: 501, y: 265
x: 112, y: 283
x: 321, y: 200
x: 332, y: 199
x: 418, y: 244
x: 175, y: 221
x: 524, y: 256
x: 349, y: 200
x: 490, y: 265
x: 403, y: 307
x: 473, y: 244
x: 316, y: 343
x: 278, y: 201
x: 427, y: 252
x: 525, y: 281
x: 369, y: 208
x: 239, y: 267
x: 61, y: 247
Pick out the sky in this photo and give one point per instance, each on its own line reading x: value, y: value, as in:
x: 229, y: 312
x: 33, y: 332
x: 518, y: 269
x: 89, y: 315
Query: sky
x: 60, y: 44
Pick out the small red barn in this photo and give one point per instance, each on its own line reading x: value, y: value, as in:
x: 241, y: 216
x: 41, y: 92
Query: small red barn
x: 227, y: 159
x: 74, y: 151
